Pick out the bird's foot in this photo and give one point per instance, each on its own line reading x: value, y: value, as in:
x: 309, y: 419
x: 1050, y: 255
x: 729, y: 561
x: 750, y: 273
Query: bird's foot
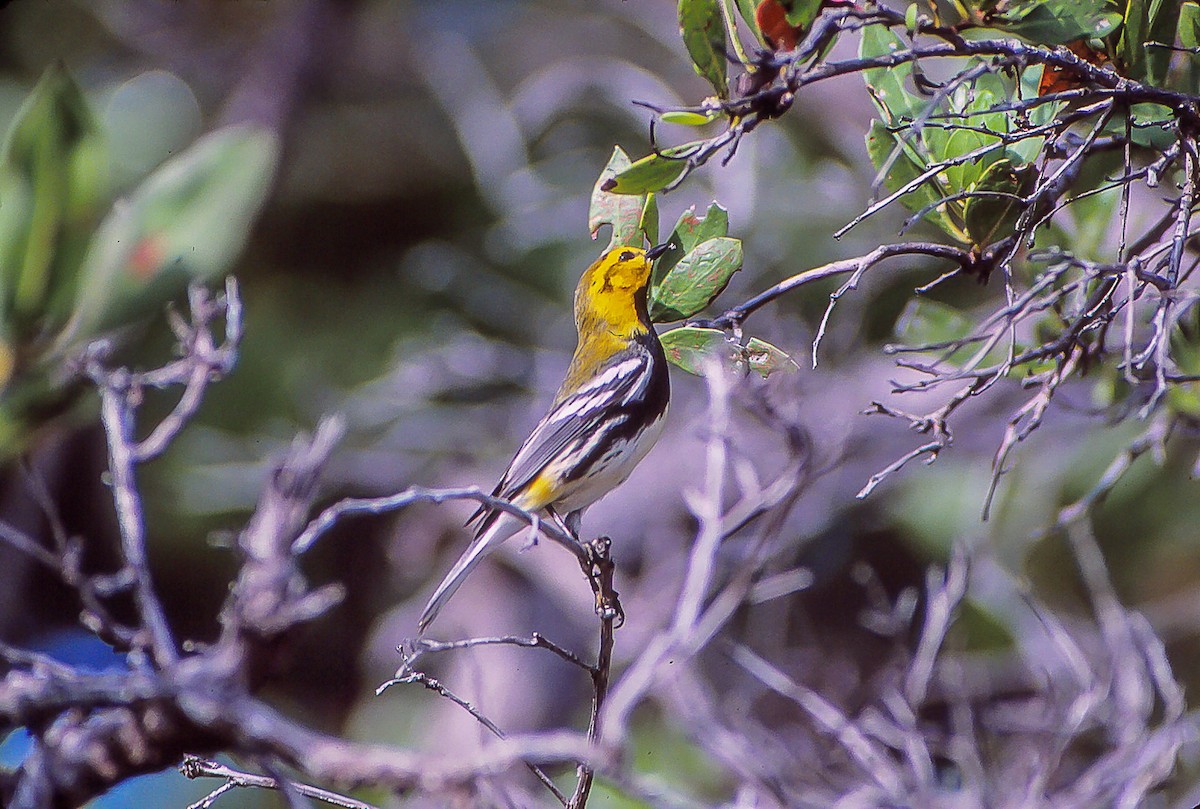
x: 600, y: 576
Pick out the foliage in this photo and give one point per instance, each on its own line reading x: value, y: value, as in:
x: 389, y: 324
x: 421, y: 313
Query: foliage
x: 1042, y: 159
x: 78, y: 262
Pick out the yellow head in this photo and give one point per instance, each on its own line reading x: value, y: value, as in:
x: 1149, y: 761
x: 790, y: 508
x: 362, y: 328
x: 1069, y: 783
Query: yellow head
x: 611, y: 295
x: 610, y: 310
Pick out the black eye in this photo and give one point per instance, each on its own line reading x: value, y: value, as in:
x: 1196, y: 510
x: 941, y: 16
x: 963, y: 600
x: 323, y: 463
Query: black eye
x: 627, y: 256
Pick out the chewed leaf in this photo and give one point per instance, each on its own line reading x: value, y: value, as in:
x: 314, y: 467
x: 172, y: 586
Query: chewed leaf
x: 765, y: 358
x: 692, y: 348
x: 653, y: 172
x: 689, y: 231
x: 703, y: 28
x: 621, y: 212
x: 695, y: 280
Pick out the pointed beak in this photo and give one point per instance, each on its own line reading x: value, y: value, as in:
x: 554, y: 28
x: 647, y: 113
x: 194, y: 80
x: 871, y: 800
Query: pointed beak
x: 658, y: 250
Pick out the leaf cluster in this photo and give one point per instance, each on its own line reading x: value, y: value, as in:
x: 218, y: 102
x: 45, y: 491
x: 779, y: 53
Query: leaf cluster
x: 78, y: 260
x: 687, y: 277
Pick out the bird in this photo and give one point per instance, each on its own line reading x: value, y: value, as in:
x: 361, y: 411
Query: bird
x: 607, y: 414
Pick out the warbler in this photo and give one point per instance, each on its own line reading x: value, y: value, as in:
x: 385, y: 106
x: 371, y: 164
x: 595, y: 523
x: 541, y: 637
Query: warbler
x: 607, y: 414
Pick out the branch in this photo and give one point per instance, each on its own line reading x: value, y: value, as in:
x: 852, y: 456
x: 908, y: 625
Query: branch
x: 194, y: 767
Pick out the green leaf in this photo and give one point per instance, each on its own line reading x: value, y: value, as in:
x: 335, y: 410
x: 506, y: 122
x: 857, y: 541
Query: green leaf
x: 928, y: 322
x: 648, y: 221
x: 621, y: 212
x: 801, y: 13
x: 1148, y: 21
x: 687, y: 117
x: 888, y: 85
x: 979, y: 629
x: 1189, y: 27
x: 1153, y: 125
x: 187, y: 221
x: 987, y: 218
x: 703, y: 29
x: 747, y: 9
x: 1056, y: 22
x: 692, y: 348
x: 695, y: 280
x: 689, y: 231
x: 911, y: 17
x: 881, y: 145
x: 925, y: 321
x: 653, y: 172
x: 52, y: 177
x: 765, y: 359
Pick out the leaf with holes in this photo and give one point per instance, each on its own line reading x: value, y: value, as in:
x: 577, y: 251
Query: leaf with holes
x: 765, y: 359
x: 689, y: 231
x: 622, y: 212
x: 695, y: 280
x: 692, y: 348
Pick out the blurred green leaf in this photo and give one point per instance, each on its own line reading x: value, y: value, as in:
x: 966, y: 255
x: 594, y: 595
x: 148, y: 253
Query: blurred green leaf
x: 884, y: 145
x: 52, y: 178
x: 623, y: 212
x: 648, y: 220
x: 765, y: 359
x: 888, y: 85
x: 988, y: 218
x: 926, y: 322
x: 1189, y: 27
x: 691, y: 348
x: 1153, y: 125
x: 149, y: 117
x: 703, y: 29
x: 187, y: 221
x: 746, y: 8
x: 1056, y: 22
x: 801, y: 13
x: 1148, y: 21
x: 687, y: 117
x: 911, y: 16
x: 978, y: 629
x: 695, y: 280
x: 653, y: 172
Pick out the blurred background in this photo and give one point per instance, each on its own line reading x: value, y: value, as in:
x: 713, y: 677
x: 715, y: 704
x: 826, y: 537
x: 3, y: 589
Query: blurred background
x: 411, y: 268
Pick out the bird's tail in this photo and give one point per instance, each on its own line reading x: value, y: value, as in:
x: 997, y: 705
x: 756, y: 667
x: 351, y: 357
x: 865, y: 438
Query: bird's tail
x: 501, y: 529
